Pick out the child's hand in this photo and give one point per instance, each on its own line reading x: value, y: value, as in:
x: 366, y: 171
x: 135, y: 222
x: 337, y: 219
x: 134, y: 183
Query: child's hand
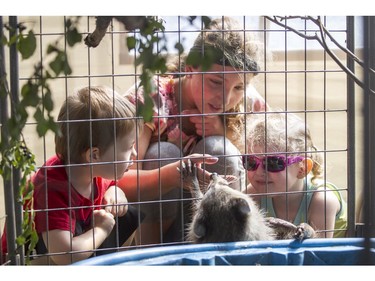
x: 104, y: 220
x: 203, y: 176
x: 116, y: 200
x: 208, y: 125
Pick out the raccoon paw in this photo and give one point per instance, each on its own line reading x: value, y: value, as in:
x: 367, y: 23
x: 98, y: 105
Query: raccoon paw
x: 304, y: 231
x: 186, y: 170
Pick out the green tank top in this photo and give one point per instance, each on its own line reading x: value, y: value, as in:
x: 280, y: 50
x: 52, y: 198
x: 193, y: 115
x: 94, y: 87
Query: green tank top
x: 341, y: 216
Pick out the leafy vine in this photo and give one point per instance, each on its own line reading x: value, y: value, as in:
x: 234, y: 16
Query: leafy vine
x: 36, y: 93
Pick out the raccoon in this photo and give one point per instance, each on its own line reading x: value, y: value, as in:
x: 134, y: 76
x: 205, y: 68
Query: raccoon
x: 223, y: 214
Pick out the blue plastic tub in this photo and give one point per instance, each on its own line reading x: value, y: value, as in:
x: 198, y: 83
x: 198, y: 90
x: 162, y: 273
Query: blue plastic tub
x: 335, y: 251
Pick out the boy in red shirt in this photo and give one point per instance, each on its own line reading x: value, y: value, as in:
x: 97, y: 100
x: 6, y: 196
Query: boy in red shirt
x: 79, y: 209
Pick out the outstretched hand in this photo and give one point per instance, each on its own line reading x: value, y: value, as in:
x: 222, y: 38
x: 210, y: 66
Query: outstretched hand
x: 197, y: 160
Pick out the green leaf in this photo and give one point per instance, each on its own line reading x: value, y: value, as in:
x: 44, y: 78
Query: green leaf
x: 193, y: 58
x: 60, y: 64
x: 56, y: 65
x: 73, y: 37
x: 28, y: 196
x: 160, y: 64
x: 68, y: 23
x: 52, y: 49
x: 42, y: 128
x: 29, y: 93
x: 52, y: 125
x: 146, y: 110
x: 4, y: 40
x: 16, y: 122
x: 13, y: 39
x: 27, y: 45
x: 206, y: 21
x: 179, y: 47
x: 20, y: 240
x: 47, y: 101
x: 42, y: 124
x: 33, y: 239
x: 131, y: 43
x: 67, y: 69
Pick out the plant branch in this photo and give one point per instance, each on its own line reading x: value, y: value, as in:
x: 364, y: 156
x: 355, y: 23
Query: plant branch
x: 322, y: 41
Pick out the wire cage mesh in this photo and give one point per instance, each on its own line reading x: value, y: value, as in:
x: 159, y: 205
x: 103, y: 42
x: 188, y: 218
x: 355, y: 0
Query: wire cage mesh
x: 296, y: 75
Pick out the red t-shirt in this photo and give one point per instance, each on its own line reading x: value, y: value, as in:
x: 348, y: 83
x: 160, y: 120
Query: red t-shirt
x: 58, y: 205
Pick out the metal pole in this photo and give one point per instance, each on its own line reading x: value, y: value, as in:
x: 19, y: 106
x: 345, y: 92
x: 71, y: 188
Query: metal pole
x: 369, y: 137
x: 14, y: 89
x: 351, y: 130
x: 8, y: 187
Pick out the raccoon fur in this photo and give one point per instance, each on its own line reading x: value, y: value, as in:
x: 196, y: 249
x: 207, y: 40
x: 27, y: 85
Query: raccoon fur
x: 223, y: 214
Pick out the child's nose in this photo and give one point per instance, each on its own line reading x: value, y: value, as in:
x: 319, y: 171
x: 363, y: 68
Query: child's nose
x: 261, y: 169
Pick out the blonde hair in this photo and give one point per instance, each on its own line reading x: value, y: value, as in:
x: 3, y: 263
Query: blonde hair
x: 99, y: 115
x: 283, y: 132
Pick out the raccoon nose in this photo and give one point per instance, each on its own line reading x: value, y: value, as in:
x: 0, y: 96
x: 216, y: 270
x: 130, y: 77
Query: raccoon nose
x: 213, y: 176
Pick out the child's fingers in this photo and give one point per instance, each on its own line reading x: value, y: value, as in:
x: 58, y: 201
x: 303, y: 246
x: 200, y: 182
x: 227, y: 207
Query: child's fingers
x: 110, y: 209
x: 103, y: 213
x: 116, y: 210
x: 122, y: 210
x: 199, y: 160
x: 100, y: 212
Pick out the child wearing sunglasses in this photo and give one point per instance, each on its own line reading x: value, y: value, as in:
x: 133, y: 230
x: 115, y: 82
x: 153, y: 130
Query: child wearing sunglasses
x: 285, y: 175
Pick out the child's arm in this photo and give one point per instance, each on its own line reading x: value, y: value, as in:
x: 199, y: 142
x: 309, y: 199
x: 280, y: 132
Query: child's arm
x: 61, y: 241
x: 322, y: 212
x: 147, y: 182
x: 116, y: 200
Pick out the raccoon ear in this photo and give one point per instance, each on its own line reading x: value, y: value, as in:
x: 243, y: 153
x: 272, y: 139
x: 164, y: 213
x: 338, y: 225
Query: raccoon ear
x: 199, y: 229
x: 241, y: 207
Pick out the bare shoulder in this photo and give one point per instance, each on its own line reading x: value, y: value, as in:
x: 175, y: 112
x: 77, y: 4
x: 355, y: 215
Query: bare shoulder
x: 325, y: 200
